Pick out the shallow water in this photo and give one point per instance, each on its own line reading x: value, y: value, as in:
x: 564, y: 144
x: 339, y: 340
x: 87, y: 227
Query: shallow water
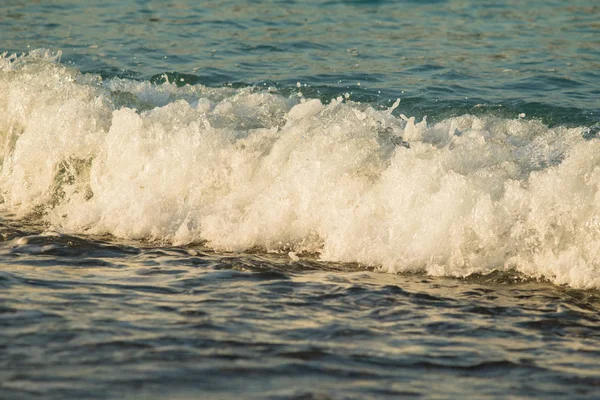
x: 342, y: 199
x: 95, y: 318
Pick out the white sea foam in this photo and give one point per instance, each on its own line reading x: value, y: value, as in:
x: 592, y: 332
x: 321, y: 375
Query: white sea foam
x: 241, y: 169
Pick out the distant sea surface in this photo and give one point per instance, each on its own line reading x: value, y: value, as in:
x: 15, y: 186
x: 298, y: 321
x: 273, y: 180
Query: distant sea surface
x: 299, y: 200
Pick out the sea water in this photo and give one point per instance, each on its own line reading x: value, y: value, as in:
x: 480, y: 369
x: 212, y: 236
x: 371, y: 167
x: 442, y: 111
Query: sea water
x: 299, y: 200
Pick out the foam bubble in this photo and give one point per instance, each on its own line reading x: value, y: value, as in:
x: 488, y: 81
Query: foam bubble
x: 240, y: 168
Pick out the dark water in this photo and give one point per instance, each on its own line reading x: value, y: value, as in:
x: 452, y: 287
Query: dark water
x: 88, y: 318
x: 182, y: 219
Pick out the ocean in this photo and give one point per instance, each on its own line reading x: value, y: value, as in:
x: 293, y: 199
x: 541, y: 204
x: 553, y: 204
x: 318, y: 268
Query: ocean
x: 336, y: 199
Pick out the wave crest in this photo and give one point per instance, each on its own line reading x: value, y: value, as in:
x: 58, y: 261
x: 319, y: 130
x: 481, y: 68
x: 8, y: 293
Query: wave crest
x: 241, y: 168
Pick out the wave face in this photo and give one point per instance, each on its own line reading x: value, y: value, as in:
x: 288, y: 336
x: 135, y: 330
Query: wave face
x: 243, y: 168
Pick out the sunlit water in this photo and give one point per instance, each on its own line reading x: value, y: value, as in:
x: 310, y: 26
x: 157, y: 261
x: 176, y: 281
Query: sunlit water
x: 344, y: 199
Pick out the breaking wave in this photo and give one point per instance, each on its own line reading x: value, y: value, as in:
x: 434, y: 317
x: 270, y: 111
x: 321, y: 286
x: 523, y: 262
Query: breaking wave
x: 247, y: 168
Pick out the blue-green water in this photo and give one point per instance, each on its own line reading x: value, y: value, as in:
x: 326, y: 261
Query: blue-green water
x: 441, y: 57
x: 299, y: 200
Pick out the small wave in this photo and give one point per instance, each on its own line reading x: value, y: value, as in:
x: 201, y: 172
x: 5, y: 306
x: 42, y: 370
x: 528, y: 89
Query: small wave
x: 242, y: 168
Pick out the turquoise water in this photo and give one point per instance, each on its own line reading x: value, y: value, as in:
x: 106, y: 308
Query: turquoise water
x: 440, y: 57
x: 299, y: 200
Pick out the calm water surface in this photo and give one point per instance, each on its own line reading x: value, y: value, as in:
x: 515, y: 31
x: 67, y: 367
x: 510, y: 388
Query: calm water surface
x: 88, y: 318
x: 224, y: 199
